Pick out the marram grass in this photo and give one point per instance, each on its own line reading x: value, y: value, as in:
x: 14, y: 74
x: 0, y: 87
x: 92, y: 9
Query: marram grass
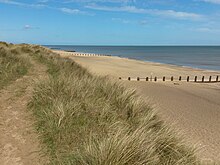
x: 84, y: 119
x: 13, y: 63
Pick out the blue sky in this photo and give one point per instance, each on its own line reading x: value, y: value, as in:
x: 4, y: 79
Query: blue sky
x: 111, y: 22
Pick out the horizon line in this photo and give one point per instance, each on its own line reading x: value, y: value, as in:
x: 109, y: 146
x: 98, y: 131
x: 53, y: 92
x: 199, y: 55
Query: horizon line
x: 117, y: 45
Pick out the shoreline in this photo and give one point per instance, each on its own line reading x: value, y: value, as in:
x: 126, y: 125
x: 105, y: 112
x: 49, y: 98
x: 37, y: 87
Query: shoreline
x: 184, y: 66
x: 167, y: 57
x: 83, y: 54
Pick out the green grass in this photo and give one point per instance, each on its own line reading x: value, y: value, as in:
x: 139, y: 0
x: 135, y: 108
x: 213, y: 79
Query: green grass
x: 84, y: 119
x: 13, y: 64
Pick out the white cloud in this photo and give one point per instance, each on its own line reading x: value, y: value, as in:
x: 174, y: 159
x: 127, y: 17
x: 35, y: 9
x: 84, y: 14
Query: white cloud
x: 208, y: 30
x: 70, y: 11
x: 127, y: 21
x: 9, y: 2
x: 100, y: 1
x: 123, y: 8
x: 73, y: 11
x: 212, y: 1
x: 43, y: 1
x: 28, y: 27
x: 40, y: 5
x: 164, y: 13
x: 124, y: 21
x: 25, y: 27
x: 177, y: 14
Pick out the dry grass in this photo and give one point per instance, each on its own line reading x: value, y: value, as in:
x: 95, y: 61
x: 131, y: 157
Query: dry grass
x: 13, y: 63
x: 88, y: 120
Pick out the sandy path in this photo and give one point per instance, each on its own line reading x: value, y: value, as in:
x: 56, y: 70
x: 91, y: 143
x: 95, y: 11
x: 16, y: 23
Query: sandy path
x: 19, y: 144
x: 191, y: 108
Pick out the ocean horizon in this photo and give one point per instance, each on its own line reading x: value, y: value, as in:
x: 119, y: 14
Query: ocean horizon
x: 201, y: 57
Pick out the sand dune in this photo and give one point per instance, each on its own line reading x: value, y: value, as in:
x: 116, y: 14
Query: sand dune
x: 191, y: 108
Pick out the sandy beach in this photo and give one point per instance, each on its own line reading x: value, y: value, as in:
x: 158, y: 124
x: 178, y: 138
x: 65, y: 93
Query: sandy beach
x: 193, y: 109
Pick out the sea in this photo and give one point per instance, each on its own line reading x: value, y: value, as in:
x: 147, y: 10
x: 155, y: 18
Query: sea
x: 202, y: 57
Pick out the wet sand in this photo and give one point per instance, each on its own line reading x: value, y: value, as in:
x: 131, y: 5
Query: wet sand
x: 190, y: 108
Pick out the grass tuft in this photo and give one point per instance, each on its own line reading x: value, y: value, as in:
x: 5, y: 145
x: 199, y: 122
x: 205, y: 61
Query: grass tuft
x: 13, y: 63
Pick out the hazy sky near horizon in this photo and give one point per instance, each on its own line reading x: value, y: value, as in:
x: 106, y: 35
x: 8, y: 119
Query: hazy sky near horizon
x: 111, y: 22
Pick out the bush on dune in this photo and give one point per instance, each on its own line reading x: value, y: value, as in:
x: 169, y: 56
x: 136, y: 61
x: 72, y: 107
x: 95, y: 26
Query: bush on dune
x: 89, y: 120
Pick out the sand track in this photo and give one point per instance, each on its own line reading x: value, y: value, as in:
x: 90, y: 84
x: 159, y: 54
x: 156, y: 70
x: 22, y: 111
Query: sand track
x: 19, y: 144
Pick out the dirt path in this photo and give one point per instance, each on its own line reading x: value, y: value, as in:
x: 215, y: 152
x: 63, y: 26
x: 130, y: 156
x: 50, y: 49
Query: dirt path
x: 19, y: 144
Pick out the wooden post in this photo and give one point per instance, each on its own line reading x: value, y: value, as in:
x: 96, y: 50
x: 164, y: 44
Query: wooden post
x: 155, y: 79
x: 180, y: 78
x: 147, y: 79
x: 187, y: 78
x: 210, y: 78
x: 129, y: 78
x: 195, y: 78
x: 172, y: 78
x: 138, y: 78
x: 216, y: 78
x: 164, y: 78
x: 203, y: 78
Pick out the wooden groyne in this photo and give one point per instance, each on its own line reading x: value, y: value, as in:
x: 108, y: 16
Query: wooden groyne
x: 89, y: 54
x: 85, y: 54
x: 196, y: 79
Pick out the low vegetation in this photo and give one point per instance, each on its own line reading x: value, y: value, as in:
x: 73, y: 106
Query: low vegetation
x: 13, y: 63
x: 84, y: 119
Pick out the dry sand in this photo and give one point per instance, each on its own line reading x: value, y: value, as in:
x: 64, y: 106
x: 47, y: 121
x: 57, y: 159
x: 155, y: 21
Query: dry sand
x: 191, y: 108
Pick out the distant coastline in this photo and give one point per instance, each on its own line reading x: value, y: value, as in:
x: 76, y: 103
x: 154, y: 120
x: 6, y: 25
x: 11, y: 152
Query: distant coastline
x: 198, y: 57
